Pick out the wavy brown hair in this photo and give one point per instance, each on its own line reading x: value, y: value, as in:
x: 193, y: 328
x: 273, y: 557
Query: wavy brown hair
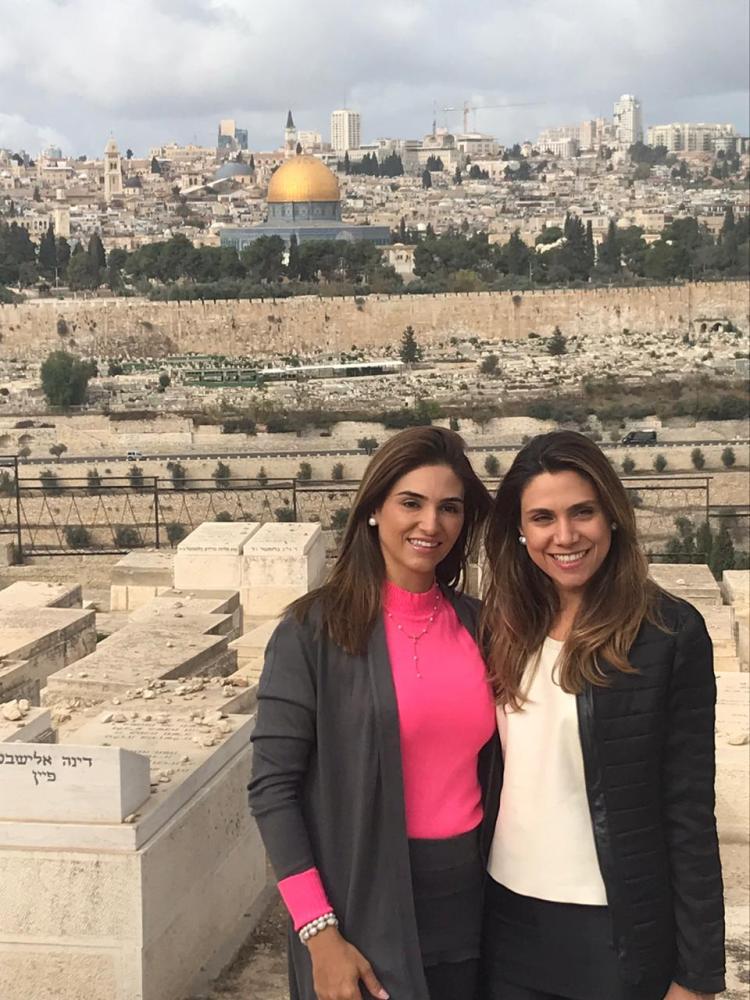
x: 350, y: 599
x: 521, y: 602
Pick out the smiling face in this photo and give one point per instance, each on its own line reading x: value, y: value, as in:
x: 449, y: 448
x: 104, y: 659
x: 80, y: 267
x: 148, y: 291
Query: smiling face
x: 418, y: 524
x: 568, y: 533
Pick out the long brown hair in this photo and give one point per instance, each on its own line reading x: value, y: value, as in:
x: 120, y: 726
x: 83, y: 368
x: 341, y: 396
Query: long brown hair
x: 521, y: 602
x: 349, y: 600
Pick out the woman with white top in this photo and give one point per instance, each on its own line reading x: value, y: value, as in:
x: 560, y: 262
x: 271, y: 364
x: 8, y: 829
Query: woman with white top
x: 605, y: 881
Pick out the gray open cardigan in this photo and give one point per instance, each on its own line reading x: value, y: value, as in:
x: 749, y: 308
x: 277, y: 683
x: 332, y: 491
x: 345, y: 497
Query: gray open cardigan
x: 327, y: 791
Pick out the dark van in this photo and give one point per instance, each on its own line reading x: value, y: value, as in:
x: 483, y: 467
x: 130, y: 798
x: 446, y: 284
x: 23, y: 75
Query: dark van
x: 640, y: 437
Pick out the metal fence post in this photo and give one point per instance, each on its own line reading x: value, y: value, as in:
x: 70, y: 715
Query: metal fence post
x: 294, y: 498
x: 19, y: 534
x: 156, y: 510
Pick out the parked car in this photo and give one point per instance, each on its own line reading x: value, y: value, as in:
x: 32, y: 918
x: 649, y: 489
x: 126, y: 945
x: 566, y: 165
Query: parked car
x: 640, y: 437
x: 134, y: 456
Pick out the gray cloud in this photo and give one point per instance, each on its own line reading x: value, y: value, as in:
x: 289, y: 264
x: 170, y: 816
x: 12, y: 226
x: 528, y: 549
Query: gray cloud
x: 152, y: 70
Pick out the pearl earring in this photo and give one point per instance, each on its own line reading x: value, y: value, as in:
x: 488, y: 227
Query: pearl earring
x: 371, y: 521
x: 613, y: 526
x: 522, y: 539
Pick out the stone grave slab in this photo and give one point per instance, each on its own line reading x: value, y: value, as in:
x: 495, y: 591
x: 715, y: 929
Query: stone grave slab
x: 280, y: 563
x: 19, y: 679
x: 691, y: 582
x: 48, y: 639
x: 138, y: 577
x: 137, y: 654
x: 71, y: 784
x: 195, y: 609
x: 251, y: 649
x: 732, y: 736
x: 40, y: 594
x: 210, y: 558
x: 184, y: 755
x: 34, y: 726
x: 735, y: 587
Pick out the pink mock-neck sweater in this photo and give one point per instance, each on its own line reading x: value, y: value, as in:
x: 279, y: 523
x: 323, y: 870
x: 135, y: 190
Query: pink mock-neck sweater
x: 446, y: 715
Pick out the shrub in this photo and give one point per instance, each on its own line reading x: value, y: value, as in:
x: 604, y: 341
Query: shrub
x: 285, y: 514
x: 337, y: 472
x: 305, y: 471
x: 660, y: 463
x: 57, y: 449
x: 492, y: 466
x: 77, y: 536
x: 628, y: 465
x: 339, y: 518
x: 223, y: 516
x: 239, y: 425
x: 697, y: 458
x: 175, y: 532
x: 262, y: 476
x: 368, y: 444
x: 454, y: 424
x: 728, y: 458
x: 7, y: 484
x: 93, y: 480
x: 135, y: 475
x: 178, y: 473
x: 24, y: 452
x: 127, y: 537
x: 50, y: 482
x: 221, y: 474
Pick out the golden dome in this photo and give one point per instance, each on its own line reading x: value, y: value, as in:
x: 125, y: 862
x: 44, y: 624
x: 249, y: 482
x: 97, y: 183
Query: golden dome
x: 303, y: 178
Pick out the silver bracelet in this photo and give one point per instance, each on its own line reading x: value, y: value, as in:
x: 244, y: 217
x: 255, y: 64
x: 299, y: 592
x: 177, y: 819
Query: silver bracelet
x: 316, y: 926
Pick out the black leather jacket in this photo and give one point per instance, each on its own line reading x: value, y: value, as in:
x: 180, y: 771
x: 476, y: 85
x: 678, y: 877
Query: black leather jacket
x: 648, y: 749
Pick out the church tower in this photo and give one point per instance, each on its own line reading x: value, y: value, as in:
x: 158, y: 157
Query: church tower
x: 290, y: 136
x: 112, y: 172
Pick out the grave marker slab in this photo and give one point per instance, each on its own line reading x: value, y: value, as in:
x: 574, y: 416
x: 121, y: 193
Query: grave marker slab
x: 40, y: 594
x: 71, y: 784
x: 280, y: 563
x: 210, y: 558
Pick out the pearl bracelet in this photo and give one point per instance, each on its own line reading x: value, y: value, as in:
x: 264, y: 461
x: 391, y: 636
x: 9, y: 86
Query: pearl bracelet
x: 316, y: 926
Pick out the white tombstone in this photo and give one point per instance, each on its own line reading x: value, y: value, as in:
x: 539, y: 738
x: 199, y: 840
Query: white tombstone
x: 40, y: 594
x: 71, y: 784
x: 210, y: 558
x: 139, y: 577
x: 280, y: 563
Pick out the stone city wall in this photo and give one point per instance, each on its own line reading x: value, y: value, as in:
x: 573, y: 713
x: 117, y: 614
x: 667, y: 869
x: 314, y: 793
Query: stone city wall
x: 138, y: 328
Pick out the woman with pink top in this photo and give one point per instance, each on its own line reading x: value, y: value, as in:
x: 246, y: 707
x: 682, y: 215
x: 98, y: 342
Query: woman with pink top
x: 376, y: 746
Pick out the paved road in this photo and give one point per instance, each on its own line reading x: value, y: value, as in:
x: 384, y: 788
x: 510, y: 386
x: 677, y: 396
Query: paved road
x: 332, y: 453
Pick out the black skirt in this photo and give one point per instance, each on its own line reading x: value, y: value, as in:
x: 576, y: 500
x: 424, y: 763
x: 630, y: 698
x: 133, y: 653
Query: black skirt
x: 560, y: 949
x: 448, y: 884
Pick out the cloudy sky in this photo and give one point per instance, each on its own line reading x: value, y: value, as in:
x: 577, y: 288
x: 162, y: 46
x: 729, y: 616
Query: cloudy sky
x: 150, y: 71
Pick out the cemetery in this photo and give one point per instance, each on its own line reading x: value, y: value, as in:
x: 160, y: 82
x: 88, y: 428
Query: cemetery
x: 131, y: 867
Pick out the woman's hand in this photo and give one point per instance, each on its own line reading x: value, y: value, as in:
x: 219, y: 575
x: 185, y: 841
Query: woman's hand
x: 677, y: 992
x: 338, y: 968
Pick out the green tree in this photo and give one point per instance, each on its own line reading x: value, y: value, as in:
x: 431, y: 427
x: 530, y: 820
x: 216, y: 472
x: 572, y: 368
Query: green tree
x: 454, y: 423
x: 337, y: 472
x: 221, y: 474
x: 82, y: 273
x: 57, y: 449
x: 410, y: 351
x: 292, y: 265
x: 628, y: 465
x: 155, y: 166
x: 722, y: 553
x: 285, y: 514
x: 426, y: 179
x: 492, y: 466
x: 557, y: 343
x: 164, y: 380
x: 728, y: 457
x: 660, y: 463
x: 127, y: 537
x: 339, y: 517
x: 65, y: 379
x: 697, y: 458
x: 457, y: 178
x: 96, y: 252
x: 704, y: 541
x: 47, y: 258
x: 368, y: 444
x: 305, y: 471
x: 62, y: 253
x: 489, y: 365
x: 262, y: 476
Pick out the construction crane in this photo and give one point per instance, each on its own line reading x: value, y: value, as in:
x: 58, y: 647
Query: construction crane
x: 492, y: 107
